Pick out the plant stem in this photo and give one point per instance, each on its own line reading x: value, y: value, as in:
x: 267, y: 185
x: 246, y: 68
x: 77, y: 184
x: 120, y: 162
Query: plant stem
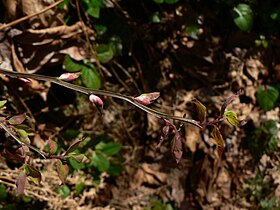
x: 4, y: 126
x: 89, y: 91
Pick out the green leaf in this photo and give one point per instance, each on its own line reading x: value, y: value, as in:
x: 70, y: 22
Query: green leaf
x: 91, y: 78
x: 76, y: 165
x: 81, y: 158
x: 3, y: 192
x: 192, y: 31
x: 201, y: 109
x: 26, y: 128
x: 23, y: 135
x: 115, y: 44
x: 93, y: 8
x: 32, y: 174
x: 2, y: 104
x: 115, y: 170
x: 100, y: 161
x: 232, y: 118
x: 171, y: 1
x: 100, y: 29
x: 62, y: 170
x: 158, y: 1
x: 104, y: 53
x: 72, y: 66
x: 217, y: 136
x: 243, y: 17
x: 79, y: 188
x: 64, y: 191
x: 109, y: 148
x: 17, y: 119
x: 267, y: 97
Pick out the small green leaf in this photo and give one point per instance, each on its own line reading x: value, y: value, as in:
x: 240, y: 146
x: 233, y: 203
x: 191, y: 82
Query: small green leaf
x: 192, y: 31
x: 3, y: 192
x: 100, y: 161
x: 232, y: 118
x: 62, y: 170
x: 115, y: 44
x: 201, y: 109
x: 217, y: 136
x: 158, y: 1
x: 26, y: 128
x: 109, y: 148
x: 17, y: 119
x: 32, y: 174
x: 91, y: 78
x: 267, y: 97
x: 79, y: 188
x: 2, y: 104
x: 243, y: 17
x: 171, y: 1
x: 72, y: 66
x: 76, y: 165
x: 81, y: 158
x: 115, y: 170
x: 100, y: 29
x: 23, y: 135
x: 104, y: 53
x: 64, y: 191
x: 93, y: 8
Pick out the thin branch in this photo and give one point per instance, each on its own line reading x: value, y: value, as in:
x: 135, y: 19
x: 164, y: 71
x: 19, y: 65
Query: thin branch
x: 89, y: 91
x: 15, y: 22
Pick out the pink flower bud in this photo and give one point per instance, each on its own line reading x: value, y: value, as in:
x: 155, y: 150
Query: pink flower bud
x: 96, y: 100
x: 147, y: 98
x: 24, y: 80
x: 69, y: 76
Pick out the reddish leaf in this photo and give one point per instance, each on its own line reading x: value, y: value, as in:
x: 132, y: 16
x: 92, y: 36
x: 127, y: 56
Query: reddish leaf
x: 201, y: 109
x: 32, y: 174
x: 73, y: 146
x: 20, y: 183
x: 147, y: 98
x: 52, y: 145
x: 177, y: 147
x: 217, y: 136
x: 69, y: 76
x: 17, y: 119
x: 62, y: 170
